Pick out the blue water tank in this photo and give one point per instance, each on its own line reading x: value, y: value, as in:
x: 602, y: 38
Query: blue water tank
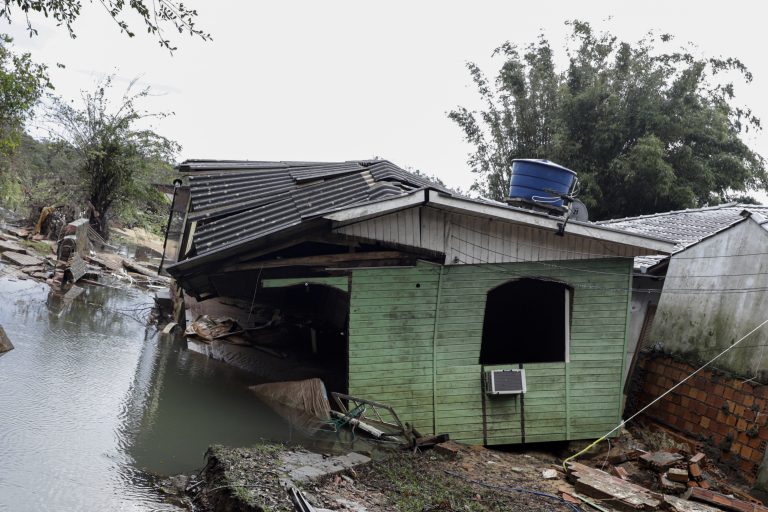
x: 540, y: 181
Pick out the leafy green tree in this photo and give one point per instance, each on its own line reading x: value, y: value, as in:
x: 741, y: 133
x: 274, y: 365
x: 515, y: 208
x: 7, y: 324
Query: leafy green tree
x: 155, y: 16
x: 646, y: 128
x: 22, y: 82
x: 118, y: 160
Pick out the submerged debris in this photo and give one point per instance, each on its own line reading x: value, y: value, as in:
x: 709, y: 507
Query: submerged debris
x: 5, y: 343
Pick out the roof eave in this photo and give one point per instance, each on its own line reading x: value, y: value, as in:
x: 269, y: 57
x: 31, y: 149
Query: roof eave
x: 544, y: 221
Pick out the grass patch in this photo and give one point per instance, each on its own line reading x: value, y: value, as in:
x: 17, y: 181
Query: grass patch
x: 39, y: 247
x: 416, y: 484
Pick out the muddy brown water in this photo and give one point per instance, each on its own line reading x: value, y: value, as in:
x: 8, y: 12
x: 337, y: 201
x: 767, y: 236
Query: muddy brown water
x: 93, y: 402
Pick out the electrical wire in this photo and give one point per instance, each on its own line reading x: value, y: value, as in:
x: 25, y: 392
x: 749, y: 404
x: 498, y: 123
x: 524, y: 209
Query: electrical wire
x: 509, y: 489
x: 694, y: 291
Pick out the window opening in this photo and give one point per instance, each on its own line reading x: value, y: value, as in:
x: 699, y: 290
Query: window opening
x: 527, y: 321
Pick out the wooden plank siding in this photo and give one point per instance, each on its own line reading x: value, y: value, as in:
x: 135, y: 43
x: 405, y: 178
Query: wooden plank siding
x: 415, y: 337
x: 468, y: 239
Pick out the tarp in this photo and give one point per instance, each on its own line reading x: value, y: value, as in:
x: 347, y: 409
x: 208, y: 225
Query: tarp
x: 308, y: 396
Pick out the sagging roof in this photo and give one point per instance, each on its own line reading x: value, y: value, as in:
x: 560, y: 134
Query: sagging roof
x: 683, y: 227
x: 236, y: 201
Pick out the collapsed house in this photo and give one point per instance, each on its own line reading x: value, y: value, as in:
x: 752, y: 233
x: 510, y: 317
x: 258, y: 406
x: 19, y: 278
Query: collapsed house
x: 499, y: 324
x: 690, y: 307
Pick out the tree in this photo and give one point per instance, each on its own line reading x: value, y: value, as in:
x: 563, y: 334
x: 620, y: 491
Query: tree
x: 155, y: 16
x: 117, y: 159
x: 646, y: 130
x: 22, y: 82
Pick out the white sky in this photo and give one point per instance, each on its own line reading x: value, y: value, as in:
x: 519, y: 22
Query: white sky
x: 308, y: 80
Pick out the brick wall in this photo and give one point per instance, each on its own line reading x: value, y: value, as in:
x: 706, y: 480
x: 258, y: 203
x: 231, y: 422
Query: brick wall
x: 725, y: 414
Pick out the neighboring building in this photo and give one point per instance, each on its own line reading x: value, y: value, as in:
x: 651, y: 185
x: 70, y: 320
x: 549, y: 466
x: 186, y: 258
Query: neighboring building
x: 701, y: 305
x: 715, y: 291
x: 400, y: 291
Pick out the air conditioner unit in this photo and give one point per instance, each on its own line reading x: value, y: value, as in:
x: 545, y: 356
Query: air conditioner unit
x: 505, y: 382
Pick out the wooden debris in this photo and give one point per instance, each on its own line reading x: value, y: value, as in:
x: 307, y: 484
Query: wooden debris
x: 104, y: 263
x: 169, y: 327
x: 12, y: 246
x: 678, y: 475
x: 669, y: 485
x: 619, y: 472
x: 449, y: 449
x: 431, y: 441
x: 697, y: 459
x: 23, y: 260
x: 722, y: 501
x: 676, y: 504
x: 5, y: 343
x: 72, y: 293
x: 135, y: 267
x: 612, y: 491
x: 660, y: 461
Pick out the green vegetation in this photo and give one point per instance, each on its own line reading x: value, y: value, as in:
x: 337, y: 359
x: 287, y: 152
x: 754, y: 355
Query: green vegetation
x: 155, y: 16
x: 118, y: 161
x: 647, y: 127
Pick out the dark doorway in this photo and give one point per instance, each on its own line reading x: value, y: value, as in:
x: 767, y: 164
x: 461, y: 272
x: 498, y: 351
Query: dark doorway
x: 526, y: 321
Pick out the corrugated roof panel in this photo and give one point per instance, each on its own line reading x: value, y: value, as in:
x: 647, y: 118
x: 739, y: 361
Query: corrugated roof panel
x: 684, y: 227
x: 245, y: 225
x: 324, y: 171
x: 236, y: 201
x: 331, y: 194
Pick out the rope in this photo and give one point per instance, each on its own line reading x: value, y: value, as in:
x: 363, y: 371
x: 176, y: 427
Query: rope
x: 638, y: 413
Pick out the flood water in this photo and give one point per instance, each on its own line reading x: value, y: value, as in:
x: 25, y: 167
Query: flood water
x: 92, y: 402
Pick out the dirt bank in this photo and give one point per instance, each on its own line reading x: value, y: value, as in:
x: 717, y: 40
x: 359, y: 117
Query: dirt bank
x: 474, y: 479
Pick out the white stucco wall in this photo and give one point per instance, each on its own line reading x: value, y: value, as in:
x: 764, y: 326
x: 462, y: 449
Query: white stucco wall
x: 725, y: 269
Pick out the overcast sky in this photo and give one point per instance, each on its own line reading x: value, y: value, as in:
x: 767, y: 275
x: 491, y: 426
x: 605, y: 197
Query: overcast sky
x: 353, y: 80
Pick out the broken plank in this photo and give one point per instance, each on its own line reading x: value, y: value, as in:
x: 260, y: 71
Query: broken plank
x: 610, y: 490
x: 23, y: 260
x: 139, y: 269
x: 722, y: 501
x: 676, y: 504
x: 12, y: 246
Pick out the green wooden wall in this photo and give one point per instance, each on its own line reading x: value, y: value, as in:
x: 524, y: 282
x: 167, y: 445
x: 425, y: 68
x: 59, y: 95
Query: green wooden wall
x: 414, y: 342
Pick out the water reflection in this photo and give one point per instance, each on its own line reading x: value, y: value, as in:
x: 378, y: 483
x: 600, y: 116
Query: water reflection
x: 92, y: 400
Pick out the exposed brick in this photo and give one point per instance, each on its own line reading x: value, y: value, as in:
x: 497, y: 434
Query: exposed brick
x: 738, y: 410
x: 721, y: 417
x: 700, y: 408
x: 749, y: 400
x: 728, y: 393
x: 742, y: 438
x: 741, y: 424
x: 731, y: 421
x: 719, y: 389
x: 746, y: 452
x: 704, y: 422
x: 736, y: 448
x: 685, y: 401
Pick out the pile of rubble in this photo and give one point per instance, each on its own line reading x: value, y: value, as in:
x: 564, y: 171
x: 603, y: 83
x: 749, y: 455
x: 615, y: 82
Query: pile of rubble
x: 668, y: 479
x: 70, y: 259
